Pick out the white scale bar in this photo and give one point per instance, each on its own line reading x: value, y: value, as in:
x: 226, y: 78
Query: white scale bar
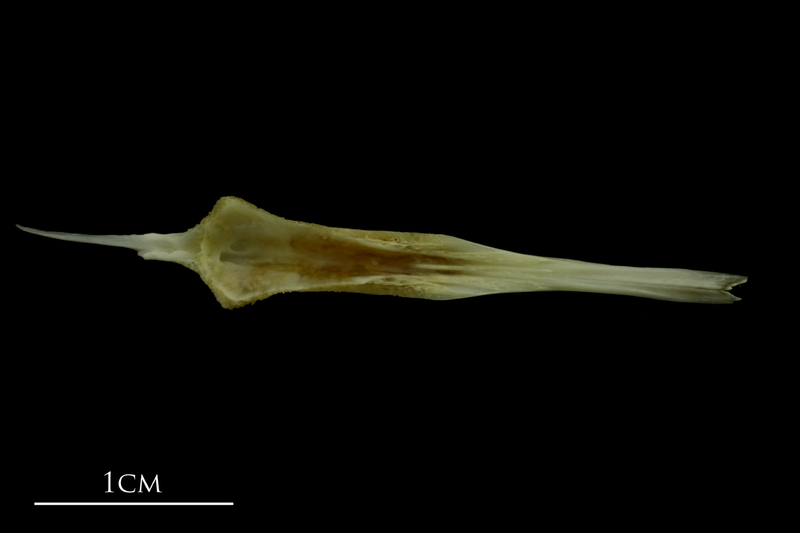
x: 132, y: 503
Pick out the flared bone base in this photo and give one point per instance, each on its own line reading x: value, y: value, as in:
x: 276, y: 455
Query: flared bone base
x: 245, y: 254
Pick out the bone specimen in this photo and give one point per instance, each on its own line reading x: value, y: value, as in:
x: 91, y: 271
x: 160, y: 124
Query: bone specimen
x: 245, y: 254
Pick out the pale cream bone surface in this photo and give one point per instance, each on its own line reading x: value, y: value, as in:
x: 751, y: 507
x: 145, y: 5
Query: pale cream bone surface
x: 245, y: 254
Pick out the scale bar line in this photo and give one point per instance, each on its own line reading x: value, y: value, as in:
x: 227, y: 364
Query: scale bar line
x: 132, y: 503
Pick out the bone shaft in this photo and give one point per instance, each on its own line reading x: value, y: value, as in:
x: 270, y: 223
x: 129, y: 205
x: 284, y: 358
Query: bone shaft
x: 544, y: 274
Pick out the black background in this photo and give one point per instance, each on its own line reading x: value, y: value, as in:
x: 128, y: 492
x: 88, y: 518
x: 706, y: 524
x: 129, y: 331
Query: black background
x: 583, y: 142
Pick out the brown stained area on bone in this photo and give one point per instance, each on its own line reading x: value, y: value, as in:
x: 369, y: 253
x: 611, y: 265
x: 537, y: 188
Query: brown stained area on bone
x: 335, y: 263
x: 343, y: 258
x: 265, y: 255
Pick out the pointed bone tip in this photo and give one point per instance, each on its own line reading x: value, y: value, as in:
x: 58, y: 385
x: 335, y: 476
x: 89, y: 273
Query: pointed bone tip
x: 43, y: 233
x: 31, y: 230
x: 738, y: 280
